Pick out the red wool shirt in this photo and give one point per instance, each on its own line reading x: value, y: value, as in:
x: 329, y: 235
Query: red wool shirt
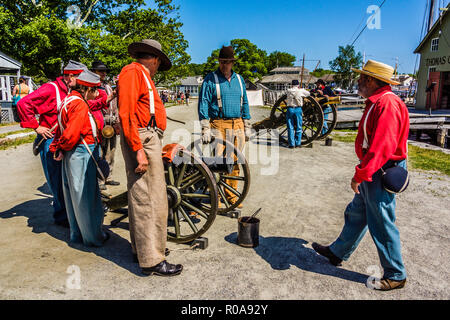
x: 76, y: 125
x: 387, y: 131
x: 134, y: 106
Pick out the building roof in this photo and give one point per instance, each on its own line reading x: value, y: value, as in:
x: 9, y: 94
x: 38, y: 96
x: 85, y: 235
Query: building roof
x: 328, y: 77
x: 438, y: 22
x: 287, y: 78
x: 9, y: 64
x: 282, y: 70
x: 192, y: 81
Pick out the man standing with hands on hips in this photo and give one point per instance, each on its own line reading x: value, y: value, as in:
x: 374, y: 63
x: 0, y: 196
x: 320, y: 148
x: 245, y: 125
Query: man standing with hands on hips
x: 381, y: 144
x: 223, y: 110
x: 143, y: 120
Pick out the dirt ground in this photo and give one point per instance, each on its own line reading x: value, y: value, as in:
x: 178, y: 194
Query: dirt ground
x: 303, y: 194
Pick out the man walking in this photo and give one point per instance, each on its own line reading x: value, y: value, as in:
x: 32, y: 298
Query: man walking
x: 44, y: 102
x: 381, y: 143
x: 143, y: 120
x: 223, y: 110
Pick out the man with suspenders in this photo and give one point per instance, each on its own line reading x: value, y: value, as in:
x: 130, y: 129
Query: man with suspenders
x: 143, y: 120
x: 381, y: 143
x: 223, y: 109
x: 44, y: 102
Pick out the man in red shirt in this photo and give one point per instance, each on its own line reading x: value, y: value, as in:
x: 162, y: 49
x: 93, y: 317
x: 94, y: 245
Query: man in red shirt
x: 143, y: 120
x: 44, y: 102
x: 381, y: 143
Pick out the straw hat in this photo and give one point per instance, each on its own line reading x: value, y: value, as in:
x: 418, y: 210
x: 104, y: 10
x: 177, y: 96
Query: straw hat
x: 378, y: 71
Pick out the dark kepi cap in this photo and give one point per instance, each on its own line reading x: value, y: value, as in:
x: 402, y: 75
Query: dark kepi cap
x: 152, y: 47
x: 227, y: 53
x: 295, y: 82
x: 99, y: 66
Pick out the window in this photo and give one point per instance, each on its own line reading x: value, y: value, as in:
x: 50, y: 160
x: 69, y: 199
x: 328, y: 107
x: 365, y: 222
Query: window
x: 434, y: 44
x: 431, y: 69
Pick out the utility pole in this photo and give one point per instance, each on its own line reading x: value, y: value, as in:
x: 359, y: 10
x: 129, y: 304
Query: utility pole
x: 301, y: 75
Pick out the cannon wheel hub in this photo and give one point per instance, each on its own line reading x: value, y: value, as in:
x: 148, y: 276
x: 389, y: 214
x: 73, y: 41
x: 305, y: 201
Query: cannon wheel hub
x: 173, y: 196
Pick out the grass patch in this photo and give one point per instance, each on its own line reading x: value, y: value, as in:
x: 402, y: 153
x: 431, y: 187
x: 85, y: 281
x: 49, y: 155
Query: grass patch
x: 350, y: 138
x: 13, y: 143
x: 8, y: 124
x: 426, y: 159
x: 4, y: 135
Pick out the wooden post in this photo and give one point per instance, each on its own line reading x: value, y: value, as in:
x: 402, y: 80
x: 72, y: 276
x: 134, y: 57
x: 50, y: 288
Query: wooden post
x: 441, y: 137
x: 301, y: 75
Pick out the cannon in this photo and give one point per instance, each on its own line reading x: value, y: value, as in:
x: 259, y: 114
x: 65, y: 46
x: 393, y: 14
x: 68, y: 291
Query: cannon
x: 197, y: 179
x: 319, y: 118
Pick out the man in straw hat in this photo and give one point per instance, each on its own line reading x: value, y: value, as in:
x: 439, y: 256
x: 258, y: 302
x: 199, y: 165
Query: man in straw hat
x: 143, y: 120
x: 44, y: 102
x: 381, y: 143
x: 223, y: 110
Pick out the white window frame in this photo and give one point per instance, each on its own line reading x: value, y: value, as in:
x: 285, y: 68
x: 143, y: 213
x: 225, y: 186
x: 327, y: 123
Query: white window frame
x: 434, y: 44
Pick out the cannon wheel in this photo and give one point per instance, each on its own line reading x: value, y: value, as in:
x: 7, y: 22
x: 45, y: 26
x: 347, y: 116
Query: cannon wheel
x: 192, y: 196
x: 330, y: 119
x: 222, y: 179
x: 312, y: 119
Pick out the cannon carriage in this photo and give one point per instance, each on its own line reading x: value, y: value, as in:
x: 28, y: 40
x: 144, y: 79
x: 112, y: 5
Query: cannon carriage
x: 319, y: 119
x: 197, y: 179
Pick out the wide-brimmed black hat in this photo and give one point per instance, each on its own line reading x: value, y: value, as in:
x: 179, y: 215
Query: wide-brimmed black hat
x: 152, y: 47
x: 99, y: 66
x: 227, y: 53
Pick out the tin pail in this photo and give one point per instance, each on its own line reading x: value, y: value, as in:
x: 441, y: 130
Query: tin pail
x: 248, y: 232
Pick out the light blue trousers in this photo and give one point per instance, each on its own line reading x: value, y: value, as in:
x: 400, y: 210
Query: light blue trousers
x: 373, y: 209
x: 326, y: 113
x: 52, y: 171
x: 294, y: 122
x: 82, y: 197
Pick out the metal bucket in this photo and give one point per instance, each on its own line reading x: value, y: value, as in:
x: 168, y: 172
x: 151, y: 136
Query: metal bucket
x: 328, y: 142
x: 248, y: 232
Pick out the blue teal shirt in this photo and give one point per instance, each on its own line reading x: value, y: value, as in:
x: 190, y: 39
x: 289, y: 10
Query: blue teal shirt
x: 230, y: 92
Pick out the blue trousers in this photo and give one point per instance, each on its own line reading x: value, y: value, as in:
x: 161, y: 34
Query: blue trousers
x: 82, y: 197
x: 294, y: 121
x: 373, y: 209
x: 326, y: 113
x: 52, y: 172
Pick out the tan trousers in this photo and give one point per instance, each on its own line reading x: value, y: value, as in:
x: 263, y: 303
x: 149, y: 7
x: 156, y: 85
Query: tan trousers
x: 147, y: 200
x: 234, y: 132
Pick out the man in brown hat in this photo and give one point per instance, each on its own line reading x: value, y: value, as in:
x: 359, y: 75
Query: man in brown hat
x: 224, y: 111
x: 381, y: 143
x: 143, y: 120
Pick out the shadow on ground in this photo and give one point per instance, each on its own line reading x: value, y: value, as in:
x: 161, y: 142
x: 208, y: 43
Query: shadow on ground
x: 39, y: 213
x: 282, y: 253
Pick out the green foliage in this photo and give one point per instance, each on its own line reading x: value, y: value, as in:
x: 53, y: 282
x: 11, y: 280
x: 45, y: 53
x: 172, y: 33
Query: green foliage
x: 279, y: 59
x: 321, y: 72
x: 43, y: 35
x: 195, y: 69
x: 343, y: 64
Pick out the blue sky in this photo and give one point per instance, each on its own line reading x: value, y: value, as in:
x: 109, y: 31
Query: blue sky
x: 312, y: 27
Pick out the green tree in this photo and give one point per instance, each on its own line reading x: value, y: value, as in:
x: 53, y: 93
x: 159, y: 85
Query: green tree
x: 45, y: 34
x: 343, y: 64
x: 250, y: 60
x: 279, y: 59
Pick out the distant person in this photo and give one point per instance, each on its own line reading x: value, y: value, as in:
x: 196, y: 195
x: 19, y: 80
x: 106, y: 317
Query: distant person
x: 294, y: 114
x: 20, y: 91
x: 188, y: 95
x: 44, y: 102
x: 75, y: 145
x: 227, y: 118
x: 381, y: 143
x: 325, y: 92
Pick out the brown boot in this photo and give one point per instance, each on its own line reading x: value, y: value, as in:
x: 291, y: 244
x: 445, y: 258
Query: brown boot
x: 388, y: 284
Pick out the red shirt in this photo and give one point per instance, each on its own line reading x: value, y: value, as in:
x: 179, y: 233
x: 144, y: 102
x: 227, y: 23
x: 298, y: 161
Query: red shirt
x: 76, y: 124
x: 387, y: 132
x: 41, y: 102
x: 96, y: 106
x: 133, y: 102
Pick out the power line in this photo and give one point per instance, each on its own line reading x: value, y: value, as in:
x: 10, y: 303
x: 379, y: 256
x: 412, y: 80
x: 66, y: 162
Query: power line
x: 379, y: 7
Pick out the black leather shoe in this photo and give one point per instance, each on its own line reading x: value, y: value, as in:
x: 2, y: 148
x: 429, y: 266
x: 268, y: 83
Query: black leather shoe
x: 136, y: 260
x: 64, y: 223
x: 164, y: 269
x: 112, y: 183
x: 326, y: 252
x: 291, y: 147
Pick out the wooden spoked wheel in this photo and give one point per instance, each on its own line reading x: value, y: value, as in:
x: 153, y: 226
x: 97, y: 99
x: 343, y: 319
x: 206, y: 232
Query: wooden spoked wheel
x: 329, y: 120
x: 230, y: 169
x: 312, y: 119
x: 192, y: 197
